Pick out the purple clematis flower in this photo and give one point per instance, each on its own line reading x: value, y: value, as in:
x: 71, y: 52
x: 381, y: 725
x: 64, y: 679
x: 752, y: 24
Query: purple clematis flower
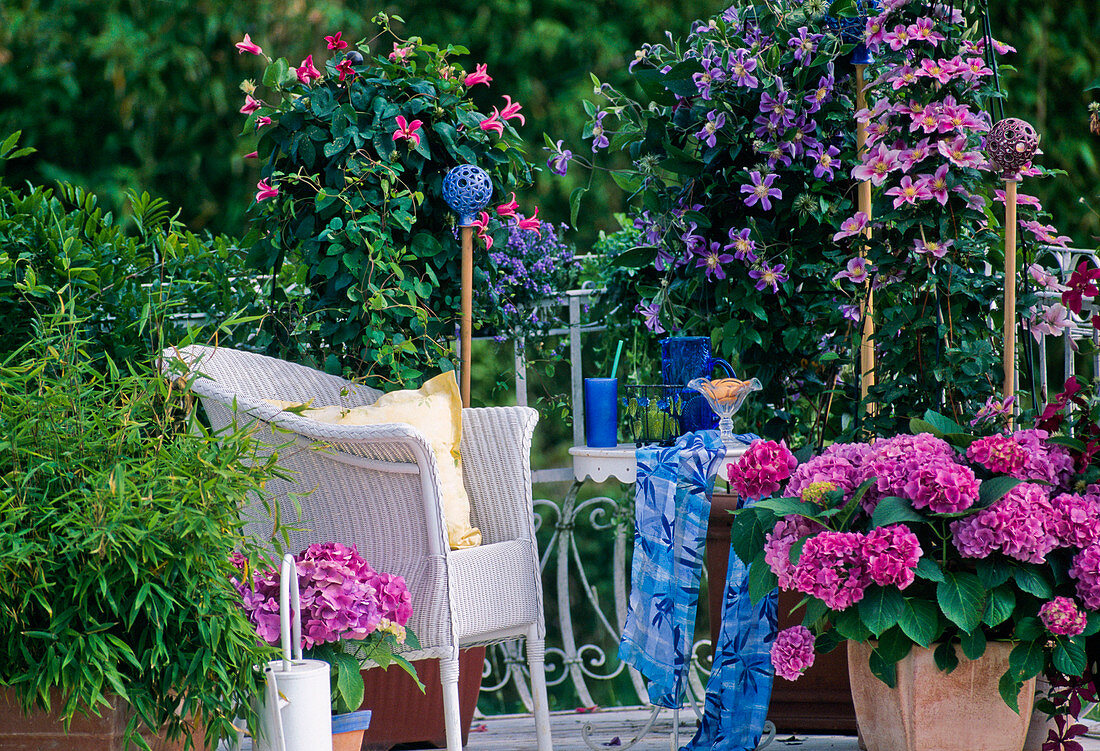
x: 741, y: 65
x: 559, y: 159
x: 599, y: 137
x: 761, y: 191
x: 805, y: 45
x: 744, y: 249
x: 712, y: 260
x: 651, y: 315
x: 709, y: 132
x: 826, y: 159
x: 769, y: 276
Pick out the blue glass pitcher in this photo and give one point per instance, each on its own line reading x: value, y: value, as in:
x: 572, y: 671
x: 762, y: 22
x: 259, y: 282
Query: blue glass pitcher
x: 684, y: 358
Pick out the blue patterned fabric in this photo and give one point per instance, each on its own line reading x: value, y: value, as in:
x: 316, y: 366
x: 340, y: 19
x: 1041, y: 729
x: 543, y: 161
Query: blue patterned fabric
x: 740, y: 685
x: 672, y: 507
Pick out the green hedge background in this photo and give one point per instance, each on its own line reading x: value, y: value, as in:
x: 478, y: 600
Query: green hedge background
x: 126, y: 94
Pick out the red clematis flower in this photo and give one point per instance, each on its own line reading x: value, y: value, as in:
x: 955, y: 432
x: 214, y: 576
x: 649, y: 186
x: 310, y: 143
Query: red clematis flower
x: 335, y: 42
x: 1081, y: 284
x: 532, y: 222
x: 407, y: 130
x: 512, y: 111
x: 508, y: 209
x: 266, y: 191
x: 478, y: 76
x: 247, y: 45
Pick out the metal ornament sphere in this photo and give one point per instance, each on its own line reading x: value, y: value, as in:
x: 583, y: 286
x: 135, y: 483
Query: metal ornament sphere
x: 467, y: 189
x: 1011, y: 144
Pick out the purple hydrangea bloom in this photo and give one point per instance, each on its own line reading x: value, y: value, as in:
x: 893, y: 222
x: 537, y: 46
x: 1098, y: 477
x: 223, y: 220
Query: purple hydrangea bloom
x: 1016, y: 525
x: 1074, y: 520
x: 1048, y: 462
x: 1062, y: 617
x: 839, y: 471
x: 342, y: 597
x: 1086, y: 570
x: 792, y: 652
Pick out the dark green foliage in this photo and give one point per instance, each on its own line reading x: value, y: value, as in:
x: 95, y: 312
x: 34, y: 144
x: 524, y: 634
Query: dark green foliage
x: 135, y: 290
x: 361, y: 215
x: 118, y: 516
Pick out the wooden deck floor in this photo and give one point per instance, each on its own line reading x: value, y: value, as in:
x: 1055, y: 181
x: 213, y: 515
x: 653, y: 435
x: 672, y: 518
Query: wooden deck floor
x: 615, y: 727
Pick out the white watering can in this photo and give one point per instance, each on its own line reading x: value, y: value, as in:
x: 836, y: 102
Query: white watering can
x: 295, y: 710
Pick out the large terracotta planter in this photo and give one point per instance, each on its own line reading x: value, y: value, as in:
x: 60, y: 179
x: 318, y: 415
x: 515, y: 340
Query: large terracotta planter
x: 403, y: 715
x: 44, y: 730
x: 818, y: 701
x: 930, y: 710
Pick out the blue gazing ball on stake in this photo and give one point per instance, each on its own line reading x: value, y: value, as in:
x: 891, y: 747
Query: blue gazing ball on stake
x: 851, y: 29
x: 467, y: 190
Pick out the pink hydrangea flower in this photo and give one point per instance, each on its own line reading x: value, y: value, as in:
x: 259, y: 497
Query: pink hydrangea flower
x: 342, y: 597
x: 1062, y: 617
x: 893, y: 553
x: 761, y: 469
x: 1048, y: 462
x: 792, y: 652
x: 1074, y: 520
x: 834, y: 568
x: 921, y: 468
x: 1086, y: 570
x: 1016, y: 525
x: 778, y: 544
x: 998, y: 453
x: 828, y: 467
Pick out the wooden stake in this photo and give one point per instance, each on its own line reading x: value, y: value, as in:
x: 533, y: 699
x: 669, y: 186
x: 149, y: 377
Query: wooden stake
x: 1009, y: 388
x: 467, y: 309
x: 867, y: 343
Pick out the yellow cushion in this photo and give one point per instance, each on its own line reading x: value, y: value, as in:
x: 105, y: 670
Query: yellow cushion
x: 435, y: 409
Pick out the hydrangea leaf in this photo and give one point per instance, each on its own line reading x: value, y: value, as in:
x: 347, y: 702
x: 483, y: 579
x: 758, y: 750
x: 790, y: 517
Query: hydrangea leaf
x: 918, y: 620
x: 881, y: 608
x: 962, y: 598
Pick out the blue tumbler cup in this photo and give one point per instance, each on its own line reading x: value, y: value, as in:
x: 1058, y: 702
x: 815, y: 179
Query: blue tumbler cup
x: 601, y: 412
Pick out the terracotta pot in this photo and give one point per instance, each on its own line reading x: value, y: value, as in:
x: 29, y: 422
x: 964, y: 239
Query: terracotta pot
x: 818, y: 701
x: 930, y: 710
x: 348, y: 729
x: 403, y: 715
x: 44, y: 730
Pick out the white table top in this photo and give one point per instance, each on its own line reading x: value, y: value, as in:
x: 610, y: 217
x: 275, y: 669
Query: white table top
x: 601, y: 464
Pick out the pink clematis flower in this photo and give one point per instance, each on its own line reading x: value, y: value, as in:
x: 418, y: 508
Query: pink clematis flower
x: 493, y: 123
x: 478, y: 76
x: 335, y: 42
x: 857, y: 271
x: 923, y: 31
x: 532, y: 222
x: 956, y: 153
x: 262, y: 121
x: 881, y: 162
x: 407, y: 130
x: 934, y: 69
x: 936, y: 184
x: 250, y: 105
x: 1046, y: 233
x: 512, y: 111
x: 247, y: 45
x: 852, y: 226
x: 903, y: 75
x: 897, y: 38
x: 1021, y: 198
x: 908, y: 192
x: 910, y: 158
x: 400, y: 53
x: 307, y: 71
x: 265, y: 191
x: 508, y: 209
x: 252, y: 155
x: 933, y: 247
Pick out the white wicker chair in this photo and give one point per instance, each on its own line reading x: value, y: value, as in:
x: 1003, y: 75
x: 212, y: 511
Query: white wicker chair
x: 377, y: 487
